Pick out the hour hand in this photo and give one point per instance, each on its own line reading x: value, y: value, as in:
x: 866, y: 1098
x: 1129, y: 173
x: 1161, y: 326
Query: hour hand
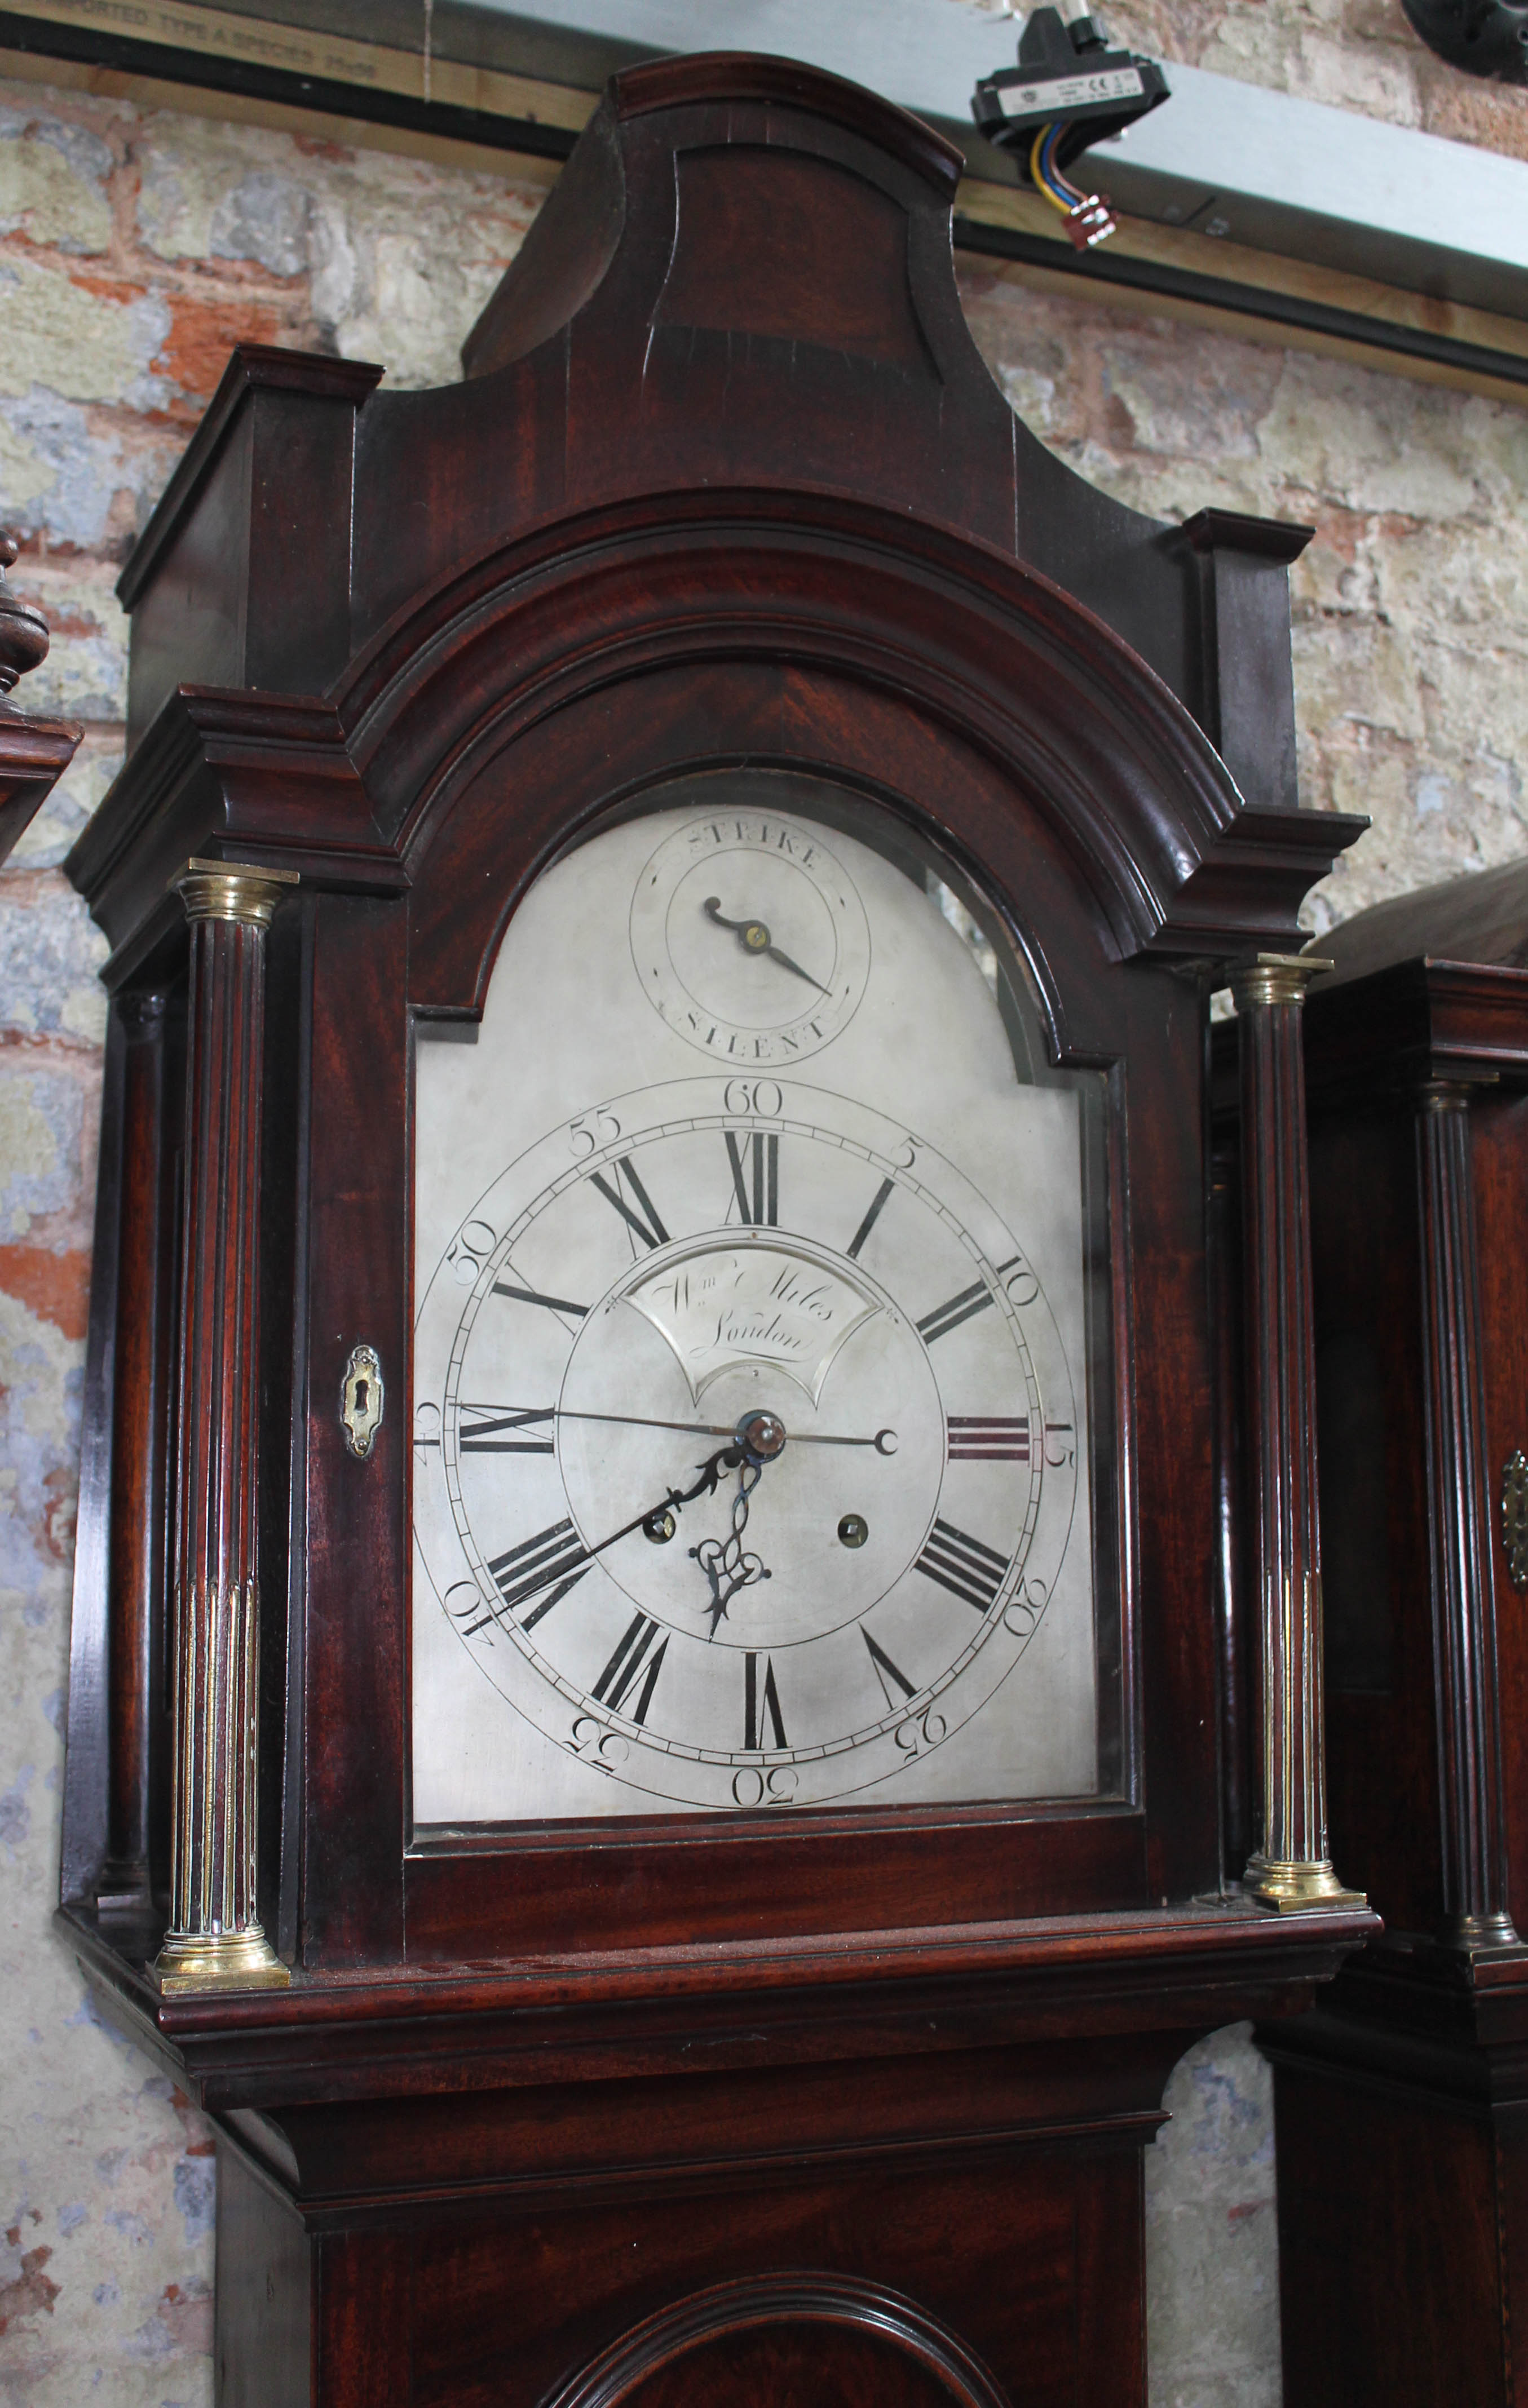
x: 754, y: 937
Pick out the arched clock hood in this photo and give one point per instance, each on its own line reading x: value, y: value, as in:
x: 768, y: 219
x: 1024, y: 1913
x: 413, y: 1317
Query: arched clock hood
x: 776, y: 389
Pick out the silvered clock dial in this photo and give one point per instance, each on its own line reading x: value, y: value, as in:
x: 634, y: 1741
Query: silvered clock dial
x: 749, y: 1390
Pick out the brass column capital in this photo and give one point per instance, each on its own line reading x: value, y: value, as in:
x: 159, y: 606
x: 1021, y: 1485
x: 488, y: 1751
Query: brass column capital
x: 1274, y: 978
x: 1452, y: 1095
x: 231, y: 890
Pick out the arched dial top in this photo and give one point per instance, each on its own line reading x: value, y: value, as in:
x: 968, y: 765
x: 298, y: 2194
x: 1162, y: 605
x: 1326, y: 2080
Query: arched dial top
x: 750, y: 1470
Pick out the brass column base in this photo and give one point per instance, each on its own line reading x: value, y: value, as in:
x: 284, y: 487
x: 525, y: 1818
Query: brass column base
x: 191, y: 1962
x: 1466, y: 1932
x: 1291, y: 1885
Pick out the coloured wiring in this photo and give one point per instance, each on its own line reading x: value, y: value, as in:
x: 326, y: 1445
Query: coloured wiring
x: 1046, y: 177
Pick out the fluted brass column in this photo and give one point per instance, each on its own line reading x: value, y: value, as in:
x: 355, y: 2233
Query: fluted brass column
x: 1290, y: 1867
x: 214, y: 1941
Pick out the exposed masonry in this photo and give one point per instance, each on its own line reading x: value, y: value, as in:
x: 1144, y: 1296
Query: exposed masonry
x: 1410, y: 606
x: 132, y: 251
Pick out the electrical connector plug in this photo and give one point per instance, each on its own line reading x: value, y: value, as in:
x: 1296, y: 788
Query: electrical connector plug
x: 1090, y: 221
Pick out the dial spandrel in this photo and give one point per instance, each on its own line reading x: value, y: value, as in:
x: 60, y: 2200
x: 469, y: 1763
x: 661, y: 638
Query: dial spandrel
x: 750, y: 1462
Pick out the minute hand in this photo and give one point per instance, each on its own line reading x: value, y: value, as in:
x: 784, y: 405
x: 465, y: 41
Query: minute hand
x: 754, y: 937
x: 517, y: 1418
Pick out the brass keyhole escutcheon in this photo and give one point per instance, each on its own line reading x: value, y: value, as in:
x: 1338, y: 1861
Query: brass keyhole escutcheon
x: 362, y: 1400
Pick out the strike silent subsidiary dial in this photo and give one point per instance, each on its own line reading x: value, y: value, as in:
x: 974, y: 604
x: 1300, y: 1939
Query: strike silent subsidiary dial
x: 750, y: 938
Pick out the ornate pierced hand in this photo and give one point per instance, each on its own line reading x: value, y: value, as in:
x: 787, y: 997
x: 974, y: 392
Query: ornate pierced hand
x: 725, y: 1564
x: 754, y: 937
x: 652, y: 1518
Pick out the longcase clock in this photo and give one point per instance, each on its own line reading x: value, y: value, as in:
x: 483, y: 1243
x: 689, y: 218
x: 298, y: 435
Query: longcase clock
x: 1401, y: 2105
x: 648, y: 1700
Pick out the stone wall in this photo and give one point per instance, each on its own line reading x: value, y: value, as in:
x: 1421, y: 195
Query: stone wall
x: 1410, y: 606
x: 134, y: 247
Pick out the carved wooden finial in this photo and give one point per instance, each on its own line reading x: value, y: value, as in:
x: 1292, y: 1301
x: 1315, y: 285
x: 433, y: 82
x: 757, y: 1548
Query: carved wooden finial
x: 23, y: 632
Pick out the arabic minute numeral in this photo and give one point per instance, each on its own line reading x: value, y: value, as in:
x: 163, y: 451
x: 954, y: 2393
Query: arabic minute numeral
x: 968, y: 1569
x: 1060, y: 1445
x: 468, y: 1250
x: 597, y: 1744
x: 1019, y: 1282
x: 765, y: 1784
x: 1021, y: 1614
x: 592, y: 1130
x: 758, y: 1099
x: 921, y: 1731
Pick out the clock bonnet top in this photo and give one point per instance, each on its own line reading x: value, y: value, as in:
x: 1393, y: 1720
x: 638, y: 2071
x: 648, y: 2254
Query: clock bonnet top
x: 623, y: 354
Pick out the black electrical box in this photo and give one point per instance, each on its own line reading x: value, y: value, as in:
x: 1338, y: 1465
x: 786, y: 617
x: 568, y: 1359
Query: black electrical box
x: 1067, y: 77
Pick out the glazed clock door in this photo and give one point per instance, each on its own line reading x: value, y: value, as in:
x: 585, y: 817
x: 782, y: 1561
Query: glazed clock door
x: 753, y: 1344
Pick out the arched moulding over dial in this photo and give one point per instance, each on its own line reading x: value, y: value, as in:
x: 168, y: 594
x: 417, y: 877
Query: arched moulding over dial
x: 751, y: 1461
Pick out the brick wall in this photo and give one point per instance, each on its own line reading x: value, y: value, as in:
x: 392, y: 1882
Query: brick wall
x: 134, y: 247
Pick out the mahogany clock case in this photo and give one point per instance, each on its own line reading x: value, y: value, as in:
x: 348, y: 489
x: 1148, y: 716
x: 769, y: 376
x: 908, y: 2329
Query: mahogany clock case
x: 1402, y: 2108
x: 342, y: 972
x: 596, y: 647
x: 681, y: 520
